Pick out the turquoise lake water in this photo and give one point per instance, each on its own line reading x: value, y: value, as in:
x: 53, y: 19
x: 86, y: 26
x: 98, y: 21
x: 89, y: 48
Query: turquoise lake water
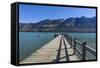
x: 29, y: 42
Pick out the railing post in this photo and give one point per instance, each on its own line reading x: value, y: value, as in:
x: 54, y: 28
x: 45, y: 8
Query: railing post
x: 83, y: 50
x: 74, y: 41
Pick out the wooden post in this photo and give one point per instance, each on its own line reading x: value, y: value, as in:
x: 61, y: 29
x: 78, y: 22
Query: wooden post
x: 74, y: 41
x: 83, y: 50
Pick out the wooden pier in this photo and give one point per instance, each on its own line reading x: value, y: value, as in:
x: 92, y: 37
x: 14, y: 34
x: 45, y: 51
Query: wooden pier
x: 60, y: 49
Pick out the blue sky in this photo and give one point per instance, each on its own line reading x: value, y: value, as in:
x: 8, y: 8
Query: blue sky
x: 35, y: 13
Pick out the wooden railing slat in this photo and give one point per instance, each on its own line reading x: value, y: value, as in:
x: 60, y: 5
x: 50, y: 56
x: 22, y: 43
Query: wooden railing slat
x: 91, y: 50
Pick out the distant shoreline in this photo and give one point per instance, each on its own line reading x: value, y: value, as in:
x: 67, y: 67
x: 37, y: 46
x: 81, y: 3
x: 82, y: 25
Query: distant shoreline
x: 57, y: 31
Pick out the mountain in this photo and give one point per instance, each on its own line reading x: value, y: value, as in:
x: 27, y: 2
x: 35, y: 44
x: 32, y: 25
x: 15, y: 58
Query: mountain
x: 78, y: 24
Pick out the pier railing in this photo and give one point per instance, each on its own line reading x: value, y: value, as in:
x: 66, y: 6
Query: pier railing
x: 83, y: 44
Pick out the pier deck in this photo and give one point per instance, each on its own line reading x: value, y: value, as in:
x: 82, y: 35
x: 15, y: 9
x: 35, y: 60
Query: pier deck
x: 56, y: 50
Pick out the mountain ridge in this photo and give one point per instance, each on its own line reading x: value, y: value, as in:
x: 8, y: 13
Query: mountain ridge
x: 78, y: 24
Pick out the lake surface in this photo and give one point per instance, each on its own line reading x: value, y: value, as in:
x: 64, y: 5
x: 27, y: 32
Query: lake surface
x: 29, y: 42
x: 90, y: 38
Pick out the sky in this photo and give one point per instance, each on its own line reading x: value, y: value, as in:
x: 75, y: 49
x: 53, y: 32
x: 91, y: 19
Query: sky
x: 36, y: 13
